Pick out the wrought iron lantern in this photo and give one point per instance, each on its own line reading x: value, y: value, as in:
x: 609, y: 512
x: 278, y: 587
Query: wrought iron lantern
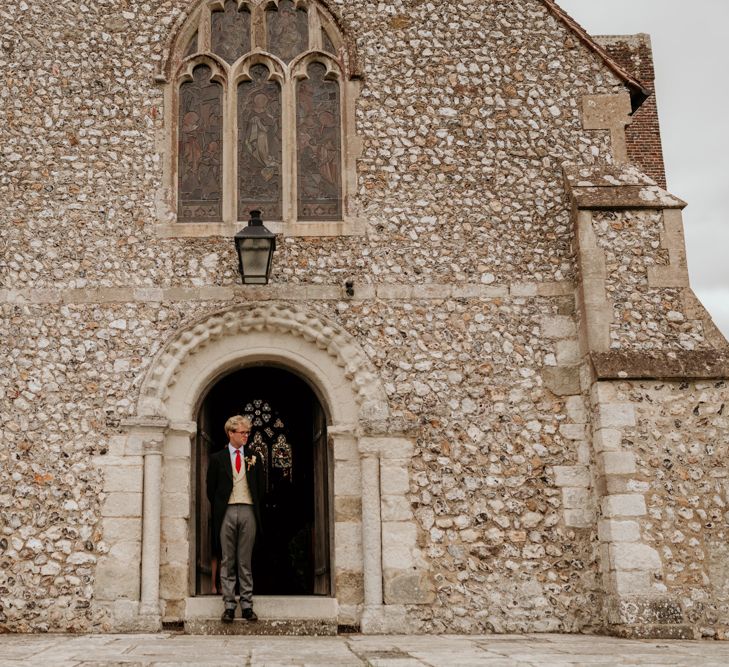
x: 255, y: 245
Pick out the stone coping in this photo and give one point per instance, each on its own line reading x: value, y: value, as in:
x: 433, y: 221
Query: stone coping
x: 614, y: 187
x: 683, y: 365
x: 625, y: 197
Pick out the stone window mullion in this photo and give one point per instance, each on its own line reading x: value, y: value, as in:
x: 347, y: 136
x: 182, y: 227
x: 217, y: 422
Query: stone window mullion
x: 230, y: 164
x: 288, y: 129
x: 315, y: 38
x: 204, y: 30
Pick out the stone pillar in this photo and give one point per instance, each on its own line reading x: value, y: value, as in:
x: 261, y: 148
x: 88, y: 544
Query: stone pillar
x: 151, y: 512
x: 395, y: 572
x: 372, y: 619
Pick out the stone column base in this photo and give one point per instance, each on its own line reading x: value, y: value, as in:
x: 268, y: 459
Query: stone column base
x: 384, y: 620
x: 127, y: 616
x: 647, y: 618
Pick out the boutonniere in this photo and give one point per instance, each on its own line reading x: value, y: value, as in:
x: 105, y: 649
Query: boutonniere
x: 250, y: 461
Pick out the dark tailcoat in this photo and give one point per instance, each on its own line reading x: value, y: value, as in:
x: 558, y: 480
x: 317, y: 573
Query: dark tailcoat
x: 220, y: 485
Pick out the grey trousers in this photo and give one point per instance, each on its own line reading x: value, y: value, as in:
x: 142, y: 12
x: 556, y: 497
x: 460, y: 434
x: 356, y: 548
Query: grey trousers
x: 237, y: 535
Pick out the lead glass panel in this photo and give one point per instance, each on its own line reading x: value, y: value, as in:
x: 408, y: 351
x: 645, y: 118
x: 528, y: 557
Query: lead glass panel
x: 259, y: 145
x: 318, y: 147
x: 288, y: 30
x: 230, y: 32
x: 327, y: 43
x: 200, y: 152
x: 191, y: 45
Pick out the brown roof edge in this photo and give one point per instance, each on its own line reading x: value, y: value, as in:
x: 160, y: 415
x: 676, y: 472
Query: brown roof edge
x: 638, y: 92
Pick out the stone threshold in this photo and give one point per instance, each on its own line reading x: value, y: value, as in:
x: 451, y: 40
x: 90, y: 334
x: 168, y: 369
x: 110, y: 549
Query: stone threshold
x: 290, y: 615
x: 268, y: 607
x: 288, y: 628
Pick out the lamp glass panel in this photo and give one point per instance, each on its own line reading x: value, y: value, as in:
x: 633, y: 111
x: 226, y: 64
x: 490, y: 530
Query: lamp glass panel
x: 254, y: 256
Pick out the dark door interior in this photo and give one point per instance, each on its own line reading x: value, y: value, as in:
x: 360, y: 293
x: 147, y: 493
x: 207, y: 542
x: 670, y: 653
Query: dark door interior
x: 289, y: 434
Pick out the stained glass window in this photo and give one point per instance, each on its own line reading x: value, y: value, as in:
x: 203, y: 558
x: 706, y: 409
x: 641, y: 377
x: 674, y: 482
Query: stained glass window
x: 269, y: 439
x: 318, y: 150
x: 288, y: 30
x: 246, y: 61
x: 200, y: 148
x: 259, y: 144
x: 230, y: 32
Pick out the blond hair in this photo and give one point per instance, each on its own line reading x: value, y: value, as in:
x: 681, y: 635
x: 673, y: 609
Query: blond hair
x: 235, y: 421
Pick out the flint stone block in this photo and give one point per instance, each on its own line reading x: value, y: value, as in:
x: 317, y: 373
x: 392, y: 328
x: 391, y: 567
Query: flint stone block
x: 126, y: 479
x: 615, y: 415
x: 607, y: 439
x: 350, y: 587
x: 116, y: 579
x: 121, y: 529
x: 407, y: 587
x: 122, y: 504
x: 348, y: 541
x: 624, y: 504
x: 558, y: 326
x: 571, y: 476
x: 618, y: 463
x: 347, y: 508
x: 175, y: 505
x: 575, y: 497
x: 572, y: 431
x: 173, y: 581
x: 347, y: 477
x: 567, y: 352
x: 636, y: 610
x: 633, y: 556
x: 618, y: 531
x: 396, y: 508
x: 579, y: 518
x: 562, y: 380
x: 631, y: 583
x: 394, y: 478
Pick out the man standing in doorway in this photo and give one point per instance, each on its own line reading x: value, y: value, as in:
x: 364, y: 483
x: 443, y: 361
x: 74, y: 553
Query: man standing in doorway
x: 235, y: 488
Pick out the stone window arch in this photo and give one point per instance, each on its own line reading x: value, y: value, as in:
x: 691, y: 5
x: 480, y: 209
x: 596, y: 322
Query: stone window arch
x: 260, y: 103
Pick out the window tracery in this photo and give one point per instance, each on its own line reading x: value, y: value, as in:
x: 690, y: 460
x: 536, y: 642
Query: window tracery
x: 269, y: 440
x: 260, y: 95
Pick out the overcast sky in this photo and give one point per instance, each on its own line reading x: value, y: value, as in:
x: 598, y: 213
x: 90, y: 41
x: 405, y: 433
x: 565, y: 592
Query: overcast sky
x: 691, y: 53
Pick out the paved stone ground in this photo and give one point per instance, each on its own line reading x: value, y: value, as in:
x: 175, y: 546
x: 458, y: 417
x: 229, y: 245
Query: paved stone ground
x: 354, y: 650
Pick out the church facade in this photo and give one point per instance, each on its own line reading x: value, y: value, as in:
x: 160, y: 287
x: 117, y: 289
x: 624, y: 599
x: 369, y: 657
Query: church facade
x: 483, y: 392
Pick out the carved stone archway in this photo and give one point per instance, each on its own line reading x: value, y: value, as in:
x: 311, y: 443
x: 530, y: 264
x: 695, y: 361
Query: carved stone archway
x: 357, y: 411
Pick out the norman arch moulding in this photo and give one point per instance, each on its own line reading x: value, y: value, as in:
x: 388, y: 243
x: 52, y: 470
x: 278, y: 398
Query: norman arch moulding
x: 259, y: 114
x: 355, y: 404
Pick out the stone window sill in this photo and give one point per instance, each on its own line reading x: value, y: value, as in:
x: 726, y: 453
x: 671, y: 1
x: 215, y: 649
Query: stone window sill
x: 351, y: 227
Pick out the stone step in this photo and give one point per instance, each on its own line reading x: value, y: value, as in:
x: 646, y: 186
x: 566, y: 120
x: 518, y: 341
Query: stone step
x: 288, y: 627
x: 294, y: 615
x: 268, y: 607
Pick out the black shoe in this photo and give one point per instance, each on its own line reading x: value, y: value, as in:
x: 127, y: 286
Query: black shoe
x: 249, y: 615
x: 228, y: 616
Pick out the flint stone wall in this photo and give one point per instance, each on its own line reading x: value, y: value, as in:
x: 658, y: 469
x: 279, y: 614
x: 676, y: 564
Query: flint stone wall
x: 463, y: 297
x: 680, y: 445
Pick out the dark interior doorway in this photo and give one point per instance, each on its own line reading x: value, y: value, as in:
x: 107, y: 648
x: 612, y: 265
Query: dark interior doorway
x: 289, y: 434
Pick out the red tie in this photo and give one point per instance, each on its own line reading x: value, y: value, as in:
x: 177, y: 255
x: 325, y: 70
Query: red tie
x: 237, y: 460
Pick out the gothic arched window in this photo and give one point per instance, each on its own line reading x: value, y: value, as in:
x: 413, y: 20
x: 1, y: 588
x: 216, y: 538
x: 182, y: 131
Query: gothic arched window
x: 261, y: 102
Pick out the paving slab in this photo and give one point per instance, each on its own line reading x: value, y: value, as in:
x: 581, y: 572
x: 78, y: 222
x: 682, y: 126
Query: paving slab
x: 175, y: 649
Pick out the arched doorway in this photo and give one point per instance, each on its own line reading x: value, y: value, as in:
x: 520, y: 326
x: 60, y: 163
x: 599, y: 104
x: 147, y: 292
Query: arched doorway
x: 292, y: 556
